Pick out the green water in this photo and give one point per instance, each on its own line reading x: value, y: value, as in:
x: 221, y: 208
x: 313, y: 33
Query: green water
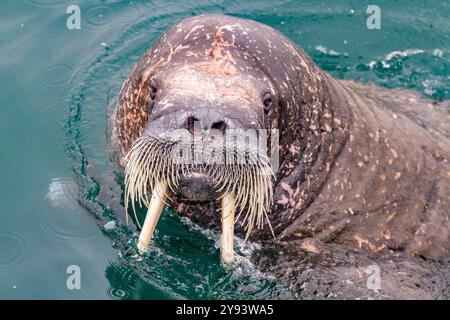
x: 59, y: 187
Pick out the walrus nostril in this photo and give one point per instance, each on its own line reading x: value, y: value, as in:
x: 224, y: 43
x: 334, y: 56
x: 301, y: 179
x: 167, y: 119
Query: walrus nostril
x: 193, y: 124
x: 220, y: 126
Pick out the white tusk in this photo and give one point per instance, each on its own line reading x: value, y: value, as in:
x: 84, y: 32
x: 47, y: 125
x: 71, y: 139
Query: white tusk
x: 153, y: 213
x: 226, y: 240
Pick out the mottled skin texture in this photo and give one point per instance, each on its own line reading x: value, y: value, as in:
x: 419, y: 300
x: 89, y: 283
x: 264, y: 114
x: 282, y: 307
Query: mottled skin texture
x: 361, y: 168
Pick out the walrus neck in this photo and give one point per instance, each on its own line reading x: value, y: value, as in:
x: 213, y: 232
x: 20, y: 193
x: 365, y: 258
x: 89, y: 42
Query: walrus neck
x: 310, y: 149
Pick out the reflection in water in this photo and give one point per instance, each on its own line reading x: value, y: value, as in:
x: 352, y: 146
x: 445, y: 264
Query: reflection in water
x: 63, y: 193
x: 67, y: 222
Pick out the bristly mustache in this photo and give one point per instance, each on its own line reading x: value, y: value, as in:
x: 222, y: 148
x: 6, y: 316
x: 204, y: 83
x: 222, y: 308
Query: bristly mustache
x: 152, y: 160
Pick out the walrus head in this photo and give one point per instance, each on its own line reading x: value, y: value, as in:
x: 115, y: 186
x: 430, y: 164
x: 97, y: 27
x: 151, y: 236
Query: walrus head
x: 204, y: 138
x: 203, y: 134
x: 214, y: 87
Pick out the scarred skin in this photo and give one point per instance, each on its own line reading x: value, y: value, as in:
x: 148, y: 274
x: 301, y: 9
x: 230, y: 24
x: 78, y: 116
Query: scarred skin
x: 361, y: 167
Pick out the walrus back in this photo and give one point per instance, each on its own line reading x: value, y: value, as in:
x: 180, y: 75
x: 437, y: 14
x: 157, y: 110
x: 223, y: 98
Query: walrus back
x: 414, y: 170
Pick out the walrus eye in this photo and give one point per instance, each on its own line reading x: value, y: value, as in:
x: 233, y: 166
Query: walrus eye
x: 153, y: 89
x: 267, y: 101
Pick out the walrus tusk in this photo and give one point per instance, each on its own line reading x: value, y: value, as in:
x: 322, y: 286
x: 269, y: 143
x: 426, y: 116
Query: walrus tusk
x: 153, y: 213
x: 226, y: 240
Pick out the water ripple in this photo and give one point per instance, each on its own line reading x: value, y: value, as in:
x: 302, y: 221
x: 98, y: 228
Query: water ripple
x: 47, y: 3
x: 12, y: 248
x: 56, y: 75
x: 99, y: 15
x: 117, y: 293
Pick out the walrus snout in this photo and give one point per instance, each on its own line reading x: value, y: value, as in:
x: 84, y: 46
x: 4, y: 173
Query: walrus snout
x: 197, y: 114
x: 196, y: 187
x: 211, y: 121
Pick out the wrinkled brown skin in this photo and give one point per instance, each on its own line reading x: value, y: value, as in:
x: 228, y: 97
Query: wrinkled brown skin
x: 364, y: 172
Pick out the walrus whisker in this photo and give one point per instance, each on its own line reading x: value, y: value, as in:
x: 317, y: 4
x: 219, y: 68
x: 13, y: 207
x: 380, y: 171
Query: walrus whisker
x: 145, y: 159
x: 129, y: 192
x: 240, y: 196
x: 136, y: 153
x: 148, y: 158
x: 135, y: 178
x: 248, y: 218
x: 245, y: 178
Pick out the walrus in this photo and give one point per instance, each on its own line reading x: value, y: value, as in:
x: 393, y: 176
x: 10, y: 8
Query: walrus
x: 359, y: 166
